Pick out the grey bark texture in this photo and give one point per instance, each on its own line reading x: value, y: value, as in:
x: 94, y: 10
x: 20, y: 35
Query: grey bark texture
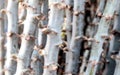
x: 59, y: 37
x: 84, y: 63
x: 2, y: 50
x: 43, y: 23
x: 114, y: 44
x: 69, y: 20
x: 72, y: 66
x: 12, y: 39
x: 28, y: 38
x: 56, y: 18
x: 100, y: 37
x: 117, y: 69
x: 36, y: 63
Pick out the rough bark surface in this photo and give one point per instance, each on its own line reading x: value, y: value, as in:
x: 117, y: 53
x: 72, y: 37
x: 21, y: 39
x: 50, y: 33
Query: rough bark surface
x: 69, y: 19
x: 77, y: 31
x: 28, y: 38
x: 117, y: 65
x: 1, y: 38
x: 53, y: 38
x: 100, y: 37
x: 59, y: 37
x: 12, y: 39
x: 114, y: 46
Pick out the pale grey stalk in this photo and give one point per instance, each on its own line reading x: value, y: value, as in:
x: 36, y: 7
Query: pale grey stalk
x: 69, y: 19
x: 36, y: 63
x: 114, y: 45
x: 117, y: 69
x: 102, y: 31
x: 28, y: 38
x: 44, y: 22
x: 75, y: 44
x: 1, y: 38
x: 84, y: 62
x: 12, y: 39
x: 92, y: 29
x: 23, y: 10
x: 56, y: 19
x: 37, y: 59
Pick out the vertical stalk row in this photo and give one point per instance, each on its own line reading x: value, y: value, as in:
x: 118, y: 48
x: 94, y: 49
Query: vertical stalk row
x: 1, y: 38
x: 53, y: 31
x: 76, y: 41
x: 28, y: 38
x: 12, y: 39
x: 101, y: 35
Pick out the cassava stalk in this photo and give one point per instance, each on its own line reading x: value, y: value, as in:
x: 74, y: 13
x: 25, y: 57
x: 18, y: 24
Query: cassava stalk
x: 69, y: 19
x: 12, y: 39
x: 53, y: 38
x: 97, y: 46
x: 28, y: 38
x: 75, y: 45
x: 1, y: 38
x: 114, y: 45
